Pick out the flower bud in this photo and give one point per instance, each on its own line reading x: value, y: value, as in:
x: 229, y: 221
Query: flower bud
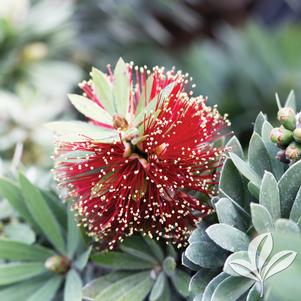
x: 281, y: 156
x: 120, y: 122
x: 58, y: 264
x: 297, y: 135
x: 281, y: 136
x: 293, y: 151
x: 287, y: 118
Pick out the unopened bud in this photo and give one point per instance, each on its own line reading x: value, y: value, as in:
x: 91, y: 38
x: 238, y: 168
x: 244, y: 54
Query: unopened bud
x: 287, y: 118
x: 281, y: 136
x: 281, y: 156
x: 297, y: 135
x: 58, y: 264
x: 120, y: 123
x: 293, y: 151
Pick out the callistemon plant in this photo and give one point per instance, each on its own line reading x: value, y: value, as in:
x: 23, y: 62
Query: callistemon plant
x: 147, y: 145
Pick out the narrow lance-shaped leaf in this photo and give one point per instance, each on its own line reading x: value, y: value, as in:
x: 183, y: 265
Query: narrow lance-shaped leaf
x: 258, y: 156
x: 289, y: 185
x: 16, y: 272
x: 42, y: 214
x: 246, y: 170
x: 121, y: 89
x: 120, y: 261
x: 12, y: 250
x: 103, y: 90
x: 73, y: 235
x: 73, y: 287
x: 47, y: 291
x: 90, y: 109
x: 158, y: 287
x: 121, y: 287
x: 296, y: 209
x: 12, y: 193
x: 291, y: 100
x: 155, y: 104
x: 79, y: 131
x: 269, y: 195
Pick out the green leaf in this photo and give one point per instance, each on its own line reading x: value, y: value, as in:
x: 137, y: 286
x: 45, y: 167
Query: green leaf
x: 235, y: 147
x: 296, y: 209
x: 245, y: 169
x: 241, y: 255
x: 200, y: 280
x: 231, y: 288
x: 286, y: 226
x: 269, y: 195
x: 42, y: 214
x: 261, y: 218
x: 145, y: 94
x: 93, y: 288
x: 228, y: 214
x: 154, y: 248
x: 48, y: 290
x: 260, y: 119
x: 136, y: 247
x: 272, y: 149
x: 166, y: 295
x: 181, y: 281
x: 122, y: 287
x: 12, y: 193
x: 120, y: 261
x: 21, y: 291
x: 199, y: 234
x: 171, y: 251
x: 73, y: 235
x: 289, y: 184
x: 206, y: 254
x: 231, y: 182
x: 103, y: 90
x: 138, y: 292
x: 242, y: 211
x: 121, y: 88
x: 57, y: 206
x: 154, y: 105
x: 78, y: 131
x: 189, y: 264
x: 228, y: 238
x: 258, y: 156
x: 90, y: 109
x: 19, y: 232
x: 254, y: 190
x: 15, y: 272
x: 169, y: 265
x: 158, y: 287
x: 73, y: 287
x: 291, y: 101
x: 12, y: 250
x: 210, y: 288
x: 254, y: 295
x: 82, y: 261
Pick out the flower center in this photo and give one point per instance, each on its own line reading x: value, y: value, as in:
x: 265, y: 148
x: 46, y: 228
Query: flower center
x: 120, y: 123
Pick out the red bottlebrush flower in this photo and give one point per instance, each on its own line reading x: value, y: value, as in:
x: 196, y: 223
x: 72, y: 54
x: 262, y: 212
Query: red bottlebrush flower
x: 149, y: 143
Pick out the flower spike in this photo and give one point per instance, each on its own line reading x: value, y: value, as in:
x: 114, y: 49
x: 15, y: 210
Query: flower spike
x: 147, y: 145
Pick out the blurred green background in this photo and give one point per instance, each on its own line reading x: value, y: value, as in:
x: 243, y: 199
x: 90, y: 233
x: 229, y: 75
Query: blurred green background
x: 239, y: 52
